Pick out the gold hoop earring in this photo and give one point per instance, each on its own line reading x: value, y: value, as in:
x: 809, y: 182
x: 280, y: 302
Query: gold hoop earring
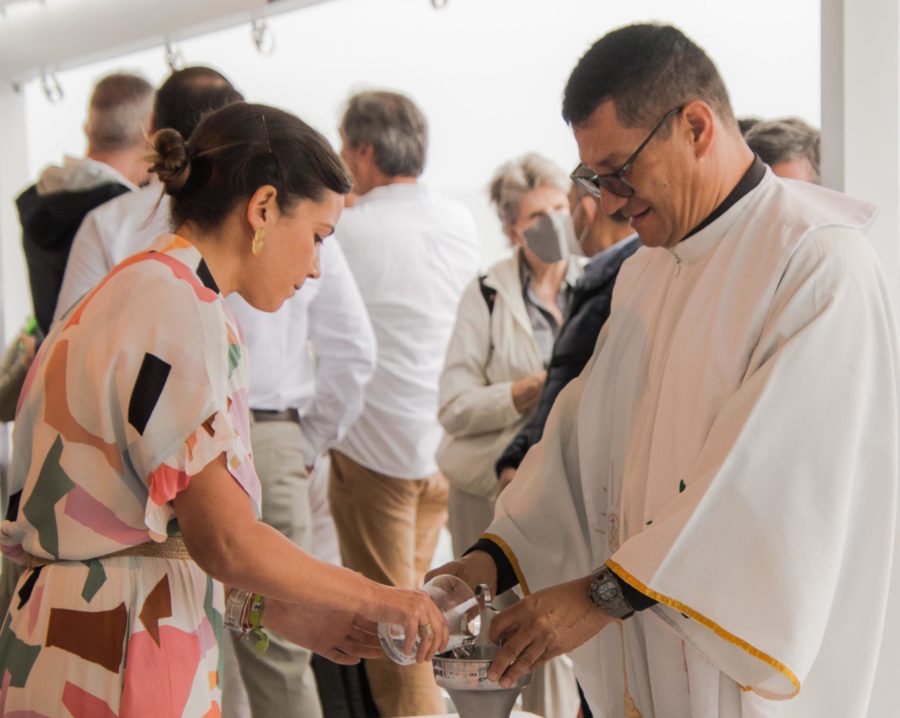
x: 257, y: 245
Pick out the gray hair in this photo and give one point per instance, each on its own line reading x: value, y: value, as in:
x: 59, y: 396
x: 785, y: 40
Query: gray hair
x: 517, y: 177
x: 784, y: 140
x: 119, y: 112
x: 393, y: 125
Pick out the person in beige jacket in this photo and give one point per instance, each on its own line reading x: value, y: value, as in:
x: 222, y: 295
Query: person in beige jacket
x: 502, y: 341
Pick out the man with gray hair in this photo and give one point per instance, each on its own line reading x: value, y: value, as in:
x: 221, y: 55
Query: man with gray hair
x: 119, y: 113
x: 412, y: 253
x: 789, y: 146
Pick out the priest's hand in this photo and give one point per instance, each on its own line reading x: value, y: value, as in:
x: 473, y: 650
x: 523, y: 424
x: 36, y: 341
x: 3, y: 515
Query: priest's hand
x: 339, y: 636
x: 542, y: 626
x: 473, y: 568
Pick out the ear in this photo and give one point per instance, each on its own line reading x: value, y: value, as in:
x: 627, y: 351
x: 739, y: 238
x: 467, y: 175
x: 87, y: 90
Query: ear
x: 513, y: 235
x: 701, y: 121
x: 589, y: 208
x: 365, y: 151
x: 262, y: 207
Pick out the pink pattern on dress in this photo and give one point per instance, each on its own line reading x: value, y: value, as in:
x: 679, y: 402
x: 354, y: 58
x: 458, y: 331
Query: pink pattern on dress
x: 34, y: 608
x: 165, y: 483
x: 158, y: 679
x: 87, y: 510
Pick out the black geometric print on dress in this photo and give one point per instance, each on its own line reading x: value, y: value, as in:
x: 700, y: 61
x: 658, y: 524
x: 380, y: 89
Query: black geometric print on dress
x: 147, y: 388
x: 206, y: 276
x: 12, y: 511
x: 28, y: 586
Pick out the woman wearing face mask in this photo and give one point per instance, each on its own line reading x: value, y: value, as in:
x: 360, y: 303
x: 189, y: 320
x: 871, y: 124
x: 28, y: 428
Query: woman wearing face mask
x: 496, y: 364
x: 132, y: 485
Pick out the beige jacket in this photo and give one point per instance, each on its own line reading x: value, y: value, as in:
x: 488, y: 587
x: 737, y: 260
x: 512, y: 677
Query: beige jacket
x: 487, y: 353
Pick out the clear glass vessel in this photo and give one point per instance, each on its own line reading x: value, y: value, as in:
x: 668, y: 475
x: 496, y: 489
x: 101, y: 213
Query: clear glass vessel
x: 461, y: 609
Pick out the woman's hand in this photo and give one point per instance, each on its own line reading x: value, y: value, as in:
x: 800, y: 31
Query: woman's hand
x: 417, y: 613
x: 339, y: 636
x: 223, y: 536
x: 527, y: 390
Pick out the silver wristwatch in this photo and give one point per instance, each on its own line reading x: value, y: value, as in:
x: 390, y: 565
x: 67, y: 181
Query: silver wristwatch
x: 606, y: 594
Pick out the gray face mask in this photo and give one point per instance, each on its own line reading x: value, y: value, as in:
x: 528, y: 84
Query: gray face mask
x: 551, y: 237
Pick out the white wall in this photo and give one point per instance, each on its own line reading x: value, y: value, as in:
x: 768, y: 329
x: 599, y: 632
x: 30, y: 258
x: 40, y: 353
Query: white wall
x: 489, y: 74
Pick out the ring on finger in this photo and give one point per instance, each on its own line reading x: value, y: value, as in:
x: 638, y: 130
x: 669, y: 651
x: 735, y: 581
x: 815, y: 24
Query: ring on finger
x: 426, y: 631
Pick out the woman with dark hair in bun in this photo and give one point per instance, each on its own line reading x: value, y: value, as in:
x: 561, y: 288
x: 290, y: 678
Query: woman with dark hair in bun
x: 132, y: 486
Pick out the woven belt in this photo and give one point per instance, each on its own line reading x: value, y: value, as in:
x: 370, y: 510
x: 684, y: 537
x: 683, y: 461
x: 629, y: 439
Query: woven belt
x: 291, y: 415
x: 173, y: 547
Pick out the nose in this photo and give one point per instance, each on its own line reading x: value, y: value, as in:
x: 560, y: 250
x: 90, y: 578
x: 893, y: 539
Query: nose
x: 610, y: 203
x: 314, y: 272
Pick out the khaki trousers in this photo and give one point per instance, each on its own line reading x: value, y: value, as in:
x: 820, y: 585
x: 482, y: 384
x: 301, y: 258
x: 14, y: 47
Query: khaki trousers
x: 388, y: 529
x: 280, y: 682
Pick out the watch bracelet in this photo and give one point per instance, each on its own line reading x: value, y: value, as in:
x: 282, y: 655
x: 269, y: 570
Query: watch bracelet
x: 618, y: 606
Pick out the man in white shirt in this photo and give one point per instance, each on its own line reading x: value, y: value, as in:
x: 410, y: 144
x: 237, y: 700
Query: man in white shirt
x: 412, y: 254
x: 707, y: 526
x: 309, y: 363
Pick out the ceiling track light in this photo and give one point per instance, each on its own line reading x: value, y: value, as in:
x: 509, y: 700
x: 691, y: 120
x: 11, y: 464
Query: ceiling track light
x: 53, y: 91
x: 262, y: 36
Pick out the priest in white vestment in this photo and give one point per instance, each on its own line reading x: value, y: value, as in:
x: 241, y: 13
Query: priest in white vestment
x: 707, y: 525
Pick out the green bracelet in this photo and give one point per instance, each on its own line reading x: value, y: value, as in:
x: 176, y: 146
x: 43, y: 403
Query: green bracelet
x: 255, y: 621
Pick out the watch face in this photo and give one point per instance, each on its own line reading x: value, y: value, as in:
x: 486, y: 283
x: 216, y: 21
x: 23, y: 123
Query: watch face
x: 608, y: 591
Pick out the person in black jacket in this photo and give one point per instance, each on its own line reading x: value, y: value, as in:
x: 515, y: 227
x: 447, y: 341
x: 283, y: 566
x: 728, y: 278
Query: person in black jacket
x: 51, y: 210
x: 609, y: 241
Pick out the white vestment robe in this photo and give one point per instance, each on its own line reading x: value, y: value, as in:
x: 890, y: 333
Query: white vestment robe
x: 731, y: 450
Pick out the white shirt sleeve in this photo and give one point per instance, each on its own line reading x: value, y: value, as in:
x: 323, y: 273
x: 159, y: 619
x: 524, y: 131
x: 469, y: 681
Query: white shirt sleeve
x: 344, y: 347
x: 87, y: 264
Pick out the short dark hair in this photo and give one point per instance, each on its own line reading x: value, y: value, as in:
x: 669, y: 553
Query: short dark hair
x: 119, y: 112
x: 235, y: 151
x: 646, y: 70
x: 745, y: 124
x: 393, y: 125
x: 784, y: 140
x: 189, y: 94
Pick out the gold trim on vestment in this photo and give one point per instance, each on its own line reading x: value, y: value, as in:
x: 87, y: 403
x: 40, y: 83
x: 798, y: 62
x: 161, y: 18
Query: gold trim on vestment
x: 712, y: 625
x: 511, y: 557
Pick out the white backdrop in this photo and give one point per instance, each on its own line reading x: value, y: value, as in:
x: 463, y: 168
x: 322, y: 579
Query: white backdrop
x: 488, y: 73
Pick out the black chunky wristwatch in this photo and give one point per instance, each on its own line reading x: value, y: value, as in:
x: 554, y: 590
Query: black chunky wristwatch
x: 606, y: 593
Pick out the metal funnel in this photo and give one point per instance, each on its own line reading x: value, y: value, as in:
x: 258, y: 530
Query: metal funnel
x: 465, y: 679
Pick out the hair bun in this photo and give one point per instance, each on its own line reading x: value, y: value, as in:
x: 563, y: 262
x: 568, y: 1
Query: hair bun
x: 170, y: 159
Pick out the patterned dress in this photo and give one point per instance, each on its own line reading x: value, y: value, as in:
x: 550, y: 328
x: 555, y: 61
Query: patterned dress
x: 137, y: 389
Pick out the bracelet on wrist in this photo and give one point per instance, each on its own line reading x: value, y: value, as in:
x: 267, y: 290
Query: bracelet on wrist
x: 236, y: 603
x: 257, y: 602
x: 243, y: 613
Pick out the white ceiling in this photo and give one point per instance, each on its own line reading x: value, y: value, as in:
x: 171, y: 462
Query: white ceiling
x: 44, y: 36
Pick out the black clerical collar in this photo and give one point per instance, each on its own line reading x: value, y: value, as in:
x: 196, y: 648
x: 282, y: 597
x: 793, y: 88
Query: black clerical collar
x: 752, y: 177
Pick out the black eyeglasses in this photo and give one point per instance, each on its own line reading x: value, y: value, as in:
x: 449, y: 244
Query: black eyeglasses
x: 614, y: 182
